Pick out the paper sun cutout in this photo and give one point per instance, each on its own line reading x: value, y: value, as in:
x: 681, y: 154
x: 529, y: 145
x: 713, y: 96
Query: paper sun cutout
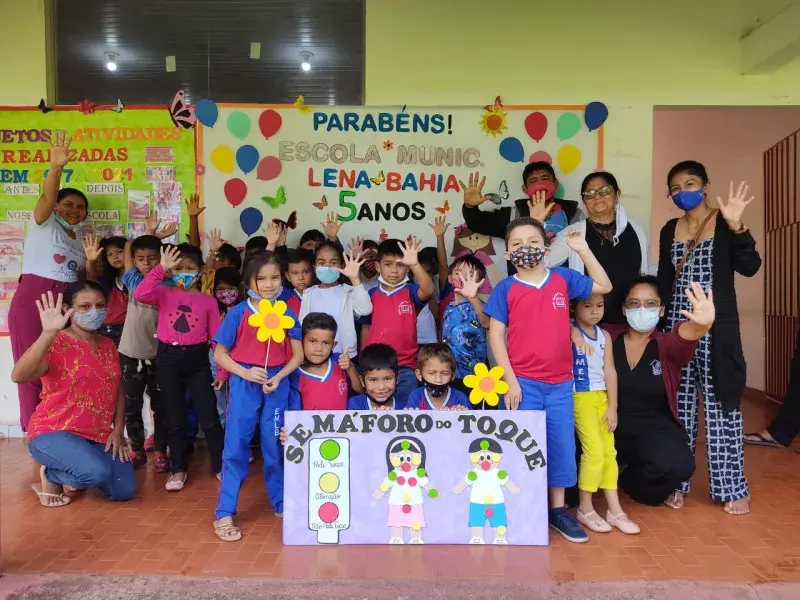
x: 271, y: 321
x: 486, y: 385
x: 494, y: 120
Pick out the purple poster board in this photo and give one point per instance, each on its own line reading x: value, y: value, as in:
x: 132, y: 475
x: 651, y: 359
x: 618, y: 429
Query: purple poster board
x: 413, y: 477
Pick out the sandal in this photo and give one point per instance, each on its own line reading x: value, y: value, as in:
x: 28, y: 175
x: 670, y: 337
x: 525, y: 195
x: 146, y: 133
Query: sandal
x: 623, y: 523
x: 593, y: 521
x: 175, y: 485
x: 761, y: 440
x: 60, y: 499
x: 161, y: 462
x: 227, y: 531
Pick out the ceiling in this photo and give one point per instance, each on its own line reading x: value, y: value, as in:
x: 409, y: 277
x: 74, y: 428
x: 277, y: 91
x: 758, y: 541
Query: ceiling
x: 210, y: 40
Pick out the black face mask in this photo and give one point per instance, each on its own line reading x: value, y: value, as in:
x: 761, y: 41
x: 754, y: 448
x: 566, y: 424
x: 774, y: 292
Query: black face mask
x: 436, y: 390
x: 388, y: 401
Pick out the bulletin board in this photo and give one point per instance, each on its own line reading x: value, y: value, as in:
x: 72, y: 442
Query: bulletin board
x: 126, y: 162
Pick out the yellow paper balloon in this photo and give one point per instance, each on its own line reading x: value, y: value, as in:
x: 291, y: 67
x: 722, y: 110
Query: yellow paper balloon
x: 569, y: 157
x: 222, y: 159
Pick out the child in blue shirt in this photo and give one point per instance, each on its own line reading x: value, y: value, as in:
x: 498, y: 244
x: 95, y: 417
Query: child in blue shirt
x: 436, y: 369
x: 379, y: 368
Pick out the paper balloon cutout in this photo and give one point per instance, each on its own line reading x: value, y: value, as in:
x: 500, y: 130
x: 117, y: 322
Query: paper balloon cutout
x: 595, y: 115
x: 541, y: 156
x: 536, y: 125
x: 247, y: 158
x: 250, y: 220
x: 269, y: 123
x: 235, y: 191
x: 239, y: 124
x: 568, y: 125
x: 568, y: 158
x: 511, y: 149
x: 222, y: 159
x: 271, y: 321
x: 486, y: 385
x: 560, y: 191
x: 206, y: 112
x: 269, y: 168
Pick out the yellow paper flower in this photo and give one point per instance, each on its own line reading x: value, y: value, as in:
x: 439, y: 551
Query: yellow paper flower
x: 486, y: 385
x: 271, y: 321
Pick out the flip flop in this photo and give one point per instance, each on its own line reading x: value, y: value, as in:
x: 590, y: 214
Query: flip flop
x: 62, y: 499
x: 761, y: 441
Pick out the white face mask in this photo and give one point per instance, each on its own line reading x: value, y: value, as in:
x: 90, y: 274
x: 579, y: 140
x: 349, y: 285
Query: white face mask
x: 393, y: 285
x: 642, y: 319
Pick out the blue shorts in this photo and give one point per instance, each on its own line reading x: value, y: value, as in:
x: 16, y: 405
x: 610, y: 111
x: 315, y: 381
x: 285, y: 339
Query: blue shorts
x: 555, y: 399
x: 494, y: 513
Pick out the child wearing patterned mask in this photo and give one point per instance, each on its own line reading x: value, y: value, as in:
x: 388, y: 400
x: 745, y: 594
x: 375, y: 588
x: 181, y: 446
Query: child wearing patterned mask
x: 227, y: 291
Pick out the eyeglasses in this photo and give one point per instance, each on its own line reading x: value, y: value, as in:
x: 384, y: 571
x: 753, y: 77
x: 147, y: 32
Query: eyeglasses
x: 633, y: 304
x: 603, y: 191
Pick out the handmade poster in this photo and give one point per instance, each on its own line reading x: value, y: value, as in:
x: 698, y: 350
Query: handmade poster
x: 384, y: 172
x: 415, y: 477
x: 138, y: 204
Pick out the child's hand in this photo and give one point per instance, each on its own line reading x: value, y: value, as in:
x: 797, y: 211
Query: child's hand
x: 151, y: 223
x: 282, y: 238
x: 282, y: 436
x: 273, y: 233
x: 514, y: 395
x: 193, y: 206
x: 458, y: 407
x: 91, y: 247
x: 170, y: 257
x: 218, y: 384
x: 352, y: 267
x: 513, y: 488
x: 470, y: 285
x: 459, y: 489
x: 270, y: 385
x: 410, y: 249
x: 356, y: 245
x: 610, y: 418
x: 473, y: 193
x: 576, y: 241
x: 580, y: 343
x: 537, y: 205
x: 331, y: 226
x: 439, y: 226
x: 166, y: 231
x: 215, y: 240
x: 255, y: 375
x: 344, y: 359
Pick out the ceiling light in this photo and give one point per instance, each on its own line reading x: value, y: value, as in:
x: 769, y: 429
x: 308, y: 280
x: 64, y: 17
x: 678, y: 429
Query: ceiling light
x: 306, y: 58
x: 111, y: 58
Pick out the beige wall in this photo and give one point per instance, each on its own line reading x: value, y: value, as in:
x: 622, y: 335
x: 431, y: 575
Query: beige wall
x: 23, y: 77
x: 730, y: 143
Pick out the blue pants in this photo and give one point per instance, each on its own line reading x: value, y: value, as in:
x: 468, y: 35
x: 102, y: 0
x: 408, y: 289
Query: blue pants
x: 494, y: 513
x: 74, y: 461
x: 222, y: 395
x: 407, y: 382
x: 250, y: 406
x: 555, y: 399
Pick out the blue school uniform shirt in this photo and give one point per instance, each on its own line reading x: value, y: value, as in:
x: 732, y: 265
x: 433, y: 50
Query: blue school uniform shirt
x: 362, y: 403
x: 463, y: 332
x: 419, y: 399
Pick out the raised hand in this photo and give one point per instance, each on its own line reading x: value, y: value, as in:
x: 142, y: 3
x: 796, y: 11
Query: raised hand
x: 193, y: 205
x: 273, y: 233
x: 170, y: 257
x: 703, y: 311
x: 537, y: 205
x: 439, y: 226
x: 59, y: 152
x: 168, y: 230
x: 577, y: 242
x: 91, y: 247
x: 215, y: 240
x: 473, y: 193
x: 331, y: 226
x: 282, y: 238
x: 352, y: 266
x: 151, y: 223
x: 733, y: 210
x: 410, y: 250
x: 356, y: 245
x: 470, y: 285
x: 51, y: 313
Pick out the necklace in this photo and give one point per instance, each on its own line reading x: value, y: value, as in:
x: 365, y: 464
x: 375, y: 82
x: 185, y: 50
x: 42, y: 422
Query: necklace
x: 605, y: 231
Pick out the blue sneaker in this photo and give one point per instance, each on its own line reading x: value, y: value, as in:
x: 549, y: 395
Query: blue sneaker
x: 565, y: 524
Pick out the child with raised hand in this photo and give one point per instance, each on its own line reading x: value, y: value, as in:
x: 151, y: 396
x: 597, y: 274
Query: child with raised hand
x: 187, y: 321
x: 258, y: 396
x: 300, y: 275
x: 340, y: 300
x: 595, y: 400
x: 532, y: 309
x: 321, y: 382
x: 227, y: 291
x: 369, y: 254
x: 395, y: 305
x: 378, y: 365
x: 436, y: 370
x: 105, y: 264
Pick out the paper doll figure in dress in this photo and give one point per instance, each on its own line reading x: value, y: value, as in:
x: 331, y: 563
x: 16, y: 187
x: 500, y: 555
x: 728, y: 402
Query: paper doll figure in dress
x: 407, y: 483
x: 486, y: 497
x: 481, y: 246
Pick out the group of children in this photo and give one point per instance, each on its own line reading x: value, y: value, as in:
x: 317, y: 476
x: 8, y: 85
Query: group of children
x: 182, y: 328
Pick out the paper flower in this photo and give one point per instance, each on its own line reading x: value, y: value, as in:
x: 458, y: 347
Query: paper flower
x: 271, y: 321
x: 200, y: 169
x: 486, y: 385
x: 86, y: 106
x: 388, y: 145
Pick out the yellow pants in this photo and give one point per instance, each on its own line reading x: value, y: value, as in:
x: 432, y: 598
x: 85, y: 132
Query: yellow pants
x: 598, y: 468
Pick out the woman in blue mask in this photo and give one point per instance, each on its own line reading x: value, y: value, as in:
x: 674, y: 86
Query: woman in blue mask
x: 53, y: 257
x: 708, y: 245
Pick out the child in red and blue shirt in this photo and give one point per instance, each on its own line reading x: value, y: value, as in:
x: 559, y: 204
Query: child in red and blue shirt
x: 436, y: 370
x: 395, y: 306
x: 378, y: 365
x: 532, y: 308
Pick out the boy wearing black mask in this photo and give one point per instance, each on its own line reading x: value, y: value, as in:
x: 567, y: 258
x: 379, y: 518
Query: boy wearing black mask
x: 436, y: 369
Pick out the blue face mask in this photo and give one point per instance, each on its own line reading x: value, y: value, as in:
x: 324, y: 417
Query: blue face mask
x: 689, y: 199
x: 256, y: 296
x: 66, y: 225
x: 643, y: 320
x: 327, y: 274
x: 90, y: 320
x: 183, y: 280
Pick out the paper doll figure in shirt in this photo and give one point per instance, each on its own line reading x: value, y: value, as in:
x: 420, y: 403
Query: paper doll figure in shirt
x: 407, y: 483
x: 481, y: 247
x: 486, y: 498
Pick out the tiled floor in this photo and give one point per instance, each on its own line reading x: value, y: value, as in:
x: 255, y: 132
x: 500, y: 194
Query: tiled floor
x: 160, y: 533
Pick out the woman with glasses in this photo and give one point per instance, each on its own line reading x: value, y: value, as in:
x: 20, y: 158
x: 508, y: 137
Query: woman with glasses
x: 708, y: 245
x: 620, y: 244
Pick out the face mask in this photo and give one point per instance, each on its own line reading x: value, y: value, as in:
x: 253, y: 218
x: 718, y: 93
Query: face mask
x: 183, y: 280
x: 642, y: 319
x: 436, y: 390
x: 370, y: 268
x: 526, y: 257
x: 256, y: 296
x: 227, y: 297
x: 689, y: 199
x: 549, y: 188
x: 90, y: 320
x: 394, y: 285
x: 327, y: 274
x: 66, y: 225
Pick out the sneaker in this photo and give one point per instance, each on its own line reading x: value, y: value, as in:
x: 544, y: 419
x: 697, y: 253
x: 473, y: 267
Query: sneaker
x: 565, y: 524
x: 161, y: 462
x: 416, y: 541
x: 150, y: 443
x: 476, y: 541
x: 139, y: 459
x: 396, y: 541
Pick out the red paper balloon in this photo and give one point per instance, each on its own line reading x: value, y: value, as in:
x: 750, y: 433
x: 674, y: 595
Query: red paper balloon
x: 536, y: 125
x: 269, y: 123
x: 541, y: 156
x: 235, y: 191
x: 269, y: 168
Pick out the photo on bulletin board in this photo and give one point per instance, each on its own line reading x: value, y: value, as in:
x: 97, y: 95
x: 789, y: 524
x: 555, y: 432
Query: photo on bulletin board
x: 415, y: 477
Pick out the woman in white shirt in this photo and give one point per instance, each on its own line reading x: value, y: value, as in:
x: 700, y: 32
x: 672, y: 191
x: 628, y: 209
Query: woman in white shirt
x: 52, y: 258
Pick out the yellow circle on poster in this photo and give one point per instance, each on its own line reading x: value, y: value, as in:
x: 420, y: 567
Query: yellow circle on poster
x: 329, y: 483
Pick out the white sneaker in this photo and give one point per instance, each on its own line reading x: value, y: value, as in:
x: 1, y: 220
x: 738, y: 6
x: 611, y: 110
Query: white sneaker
x: 478, y: 541
x: 415, y: 541
x: 500, y: 541
x: 396, y: 540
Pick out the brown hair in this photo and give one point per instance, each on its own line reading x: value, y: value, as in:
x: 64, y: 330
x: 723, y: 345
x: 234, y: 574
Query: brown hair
x: 462, y: 231
x: 438, y: 351
x: 525, y: 222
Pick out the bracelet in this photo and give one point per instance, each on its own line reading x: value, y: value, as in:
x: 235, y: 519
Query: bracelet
x: 214, y: 253
x: 742, y: 229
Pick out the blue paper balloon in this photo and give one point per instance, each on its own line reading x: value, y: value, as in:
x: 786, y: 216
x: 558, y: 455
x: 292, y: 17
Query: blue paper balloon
x: 247, y: 158
x: 511, y: 149
x: 206, y: 112
x: 251, y: 219
x: 595, y: 115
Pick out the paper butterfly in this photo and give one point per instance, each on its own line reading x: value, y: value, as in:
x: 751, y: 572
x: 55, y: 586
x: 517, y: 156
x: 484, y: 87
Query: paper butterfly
x: 44, y: 108
x: 379, y: 179
x: 504, y: 190
x: 182, y: 114
x: 443, y: 209
x: 498, y: 103
x: 321, y: 204
x: 118, y: 108
x: 300, y: 104
x: 86, y: 106
x: 290, y: 223
x: 280, y: 198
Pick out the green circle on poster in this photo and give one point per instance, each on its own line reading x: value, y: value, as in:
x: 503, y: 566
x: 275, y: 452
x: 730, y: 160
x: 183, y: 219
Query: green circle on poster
x: 329, y: 450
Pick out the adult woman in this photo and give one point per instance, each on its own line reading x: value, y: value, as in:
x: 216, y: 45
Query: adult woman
x: 620, y: 244
x: 707, y: 246
x: 53, y: 258
x: 651, y: 442
x: 70, y: 432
